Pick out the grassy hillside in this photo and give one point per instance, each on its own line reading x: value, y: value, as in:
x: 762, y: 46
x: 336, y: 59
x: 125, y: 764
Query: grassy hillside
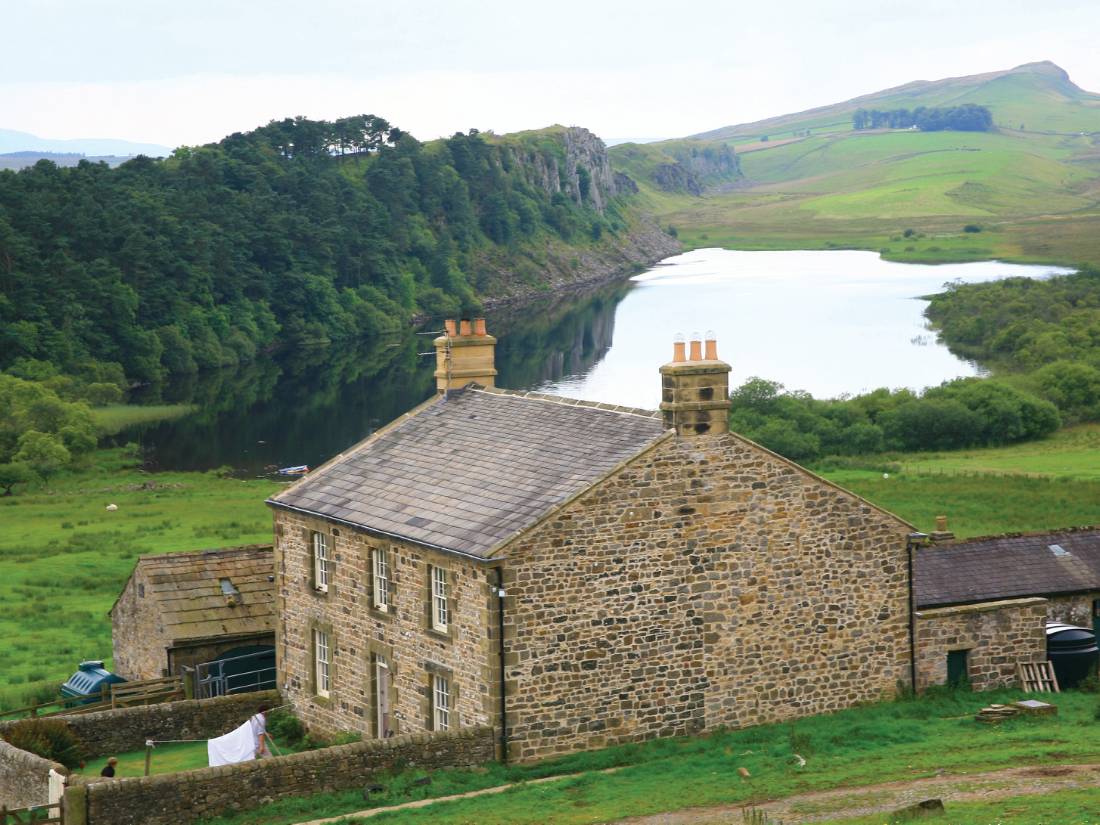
x: 1031, y: 188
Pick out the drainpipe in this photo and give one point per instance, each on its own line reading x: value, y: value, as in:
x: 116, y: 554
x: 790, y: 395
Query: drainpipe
x: 503, y: 697
x: 914, y: 540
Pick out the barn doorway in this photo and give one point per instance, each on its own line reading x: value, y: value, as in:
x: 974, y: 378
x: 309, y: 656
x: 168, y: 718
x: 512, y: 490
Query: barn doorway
x: 958, y: 671
x: 240, y: 670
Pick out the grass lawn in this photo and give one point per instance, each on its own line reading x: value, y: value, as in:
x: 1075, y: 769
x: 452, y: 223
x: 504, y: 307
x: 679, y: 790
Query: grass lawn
x: 64, y: 558
x: 897, y: 740
x: 1078, y: 807
x: 168, y: 758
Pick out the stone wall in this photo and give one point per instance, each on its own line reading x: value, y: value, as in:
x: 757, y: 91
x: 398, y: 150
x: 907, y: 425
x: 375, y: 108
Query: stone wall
x: 359, y: 633
x: 997, y: 635
x: 137, y: 632
x: 24, y: 777
x: 108, y: 732
x: 180, y: 798
x: 1076, y: 609
x: 709, y: 582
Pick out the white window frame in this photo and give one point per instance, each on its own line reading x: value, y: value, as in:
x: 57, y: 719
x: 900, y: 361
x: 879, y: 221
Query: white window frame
x: 441, y: 612
x: 322, y: 663
x: 441, y: 702
x: 321, y: 562
x: 380, y: 562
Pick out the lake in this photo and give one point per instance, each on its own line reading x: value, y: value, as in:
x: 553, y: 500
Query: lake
x: 830, y: 323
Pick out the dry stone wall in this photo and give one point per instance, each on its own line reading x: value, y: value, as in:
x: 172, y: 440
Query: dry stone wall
x: 24, y: 777
x: 358, y: 632
x: 180, y: 798
x: 108, y: 732
x: 996, y: 635
x: 707, y: 583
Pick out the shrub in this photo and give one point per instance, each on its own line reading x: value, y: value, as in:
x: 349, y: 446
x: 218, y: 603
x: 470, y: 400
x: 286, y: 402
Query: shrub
x: 48, y: 738
x: 286, y: 727
x: 972, y: 227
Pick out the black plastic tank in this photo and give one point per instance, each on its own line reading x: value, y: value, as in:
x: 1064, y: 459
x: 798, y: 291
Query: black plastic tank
x: 1072, y: 651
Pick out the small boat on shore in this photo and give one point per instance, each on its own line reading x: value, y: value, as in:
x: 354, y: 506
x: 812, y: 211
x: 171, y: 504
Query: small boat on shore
x: 300, y: 470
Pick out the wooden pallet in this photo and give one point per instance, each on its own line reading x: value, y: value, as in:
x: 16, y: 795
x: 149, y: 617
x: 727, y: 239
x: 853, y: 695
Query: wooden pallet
x: 1037, y: 677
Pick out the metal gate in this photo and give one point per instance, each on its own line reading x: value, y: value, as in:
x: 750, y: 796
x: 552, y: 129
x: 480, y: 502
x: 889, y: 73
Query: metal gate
x: 236, y: 674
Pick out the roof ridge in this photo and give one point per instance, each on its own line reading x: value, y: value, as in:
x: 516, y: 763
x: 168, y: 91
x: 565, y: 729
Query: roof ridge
x: 566, y: 401
x: 180, y: 555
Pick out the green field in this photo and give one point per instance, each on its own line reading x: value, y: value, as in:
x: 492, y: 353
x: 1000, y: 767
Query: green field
x: 64, y: 557
x: 889, y: 741
x: 1034, y: 191
x: 114, y: 418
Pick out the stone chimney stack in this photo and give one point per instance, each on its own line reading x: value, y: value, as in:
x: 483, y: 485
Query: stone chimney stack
x: 464, y: 353
x: 941, y: 533
x: 695, y: 388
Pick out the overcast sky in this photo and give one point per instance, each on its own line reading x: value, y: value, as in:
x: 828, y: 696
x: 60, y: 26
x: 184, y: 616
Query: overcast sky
x: 191, y: 72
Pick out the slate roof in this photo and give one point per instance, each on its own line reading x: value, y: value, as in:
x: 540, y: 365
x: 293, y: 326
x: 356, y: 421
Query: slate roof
x: 467, y: 472
x: 186, y: 588
x: 1008, y: 567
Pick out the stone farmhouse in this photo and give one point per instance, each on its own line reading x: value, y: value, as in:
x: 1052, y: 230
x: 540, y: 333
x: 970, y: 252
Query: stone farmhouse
x: 580, y: 574
x: 182, y: 609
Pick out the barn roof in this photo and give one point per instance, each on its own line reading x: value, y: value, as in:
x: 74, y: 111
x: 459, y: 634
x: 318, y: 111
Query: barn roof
x: 1003, y: 567
x: 467, y: 472
x: 192, y: 601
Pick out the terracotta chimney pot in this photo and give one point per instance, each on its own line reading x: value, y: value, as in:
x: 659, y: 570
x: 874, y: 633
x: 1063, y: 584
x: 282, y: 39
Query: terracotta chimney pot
x: 711, y: 349
x: 479, y: 326
x: 464, y: 327
x: 941, y: 524
x: 696, y: 350
x: 679, y: 351
x: 450, y: 327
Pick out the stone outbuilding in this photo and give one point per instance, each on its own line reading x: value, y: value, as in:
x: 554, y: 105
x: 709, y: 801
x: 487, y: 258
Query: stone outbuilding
x: 983, y: 603
x: 181, y: 609
x: 580, y: 574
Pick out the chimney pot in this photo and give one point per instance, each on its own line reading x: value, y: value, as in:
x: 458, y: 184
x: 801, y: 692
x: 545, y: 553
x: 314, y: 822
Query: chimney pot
x: 941, y: 524
x: 450, y: 327
x: 696, y: 350
x: 479, y: 326
x: 711, y: 348
x: 464, y: 327
x: 679, y: 353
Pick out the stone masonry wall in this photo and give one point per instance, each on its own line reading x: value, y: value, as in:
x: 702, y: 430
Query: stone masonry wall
x: 180, y: 798
x: 1076, y: 609
x: 24, y: 777
x: 137, y: 632
x: 108, y: 732
x: 708, y: 582
x: 996, y: 635
x: 358, y: 631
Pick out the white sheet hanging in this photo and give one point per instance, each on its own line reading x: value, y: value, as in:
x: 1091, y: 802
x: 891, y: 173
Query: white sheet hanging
x: 236, y: 746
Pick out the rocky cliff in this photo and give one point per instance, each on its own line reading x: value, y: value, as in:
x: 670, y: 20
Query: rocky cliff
x: 686, y: 166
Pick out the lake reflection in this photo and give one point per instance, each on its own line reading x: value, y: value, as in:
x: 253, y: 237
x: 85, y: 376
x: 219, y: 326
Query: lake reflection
x: 826, y: 322
x: 829, y: 323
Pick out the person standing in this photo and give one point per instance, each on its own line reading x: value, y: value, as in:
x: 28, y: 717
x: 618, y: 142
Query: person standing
x: 109, y: 768
x: 259, y: 732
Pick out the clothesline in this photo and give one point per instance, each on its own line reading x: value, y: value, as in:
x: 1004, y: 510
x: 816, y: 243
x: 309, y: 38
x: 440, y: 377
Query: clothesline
x: 154, y: 742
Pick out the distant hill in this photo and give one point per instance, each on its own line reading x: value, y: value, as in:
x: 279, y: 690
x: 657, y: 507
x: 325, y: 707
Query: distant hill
x: 13, y: 141
x: 21, y: 160
x: 1032, y: 97
x: 1029, y: 189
